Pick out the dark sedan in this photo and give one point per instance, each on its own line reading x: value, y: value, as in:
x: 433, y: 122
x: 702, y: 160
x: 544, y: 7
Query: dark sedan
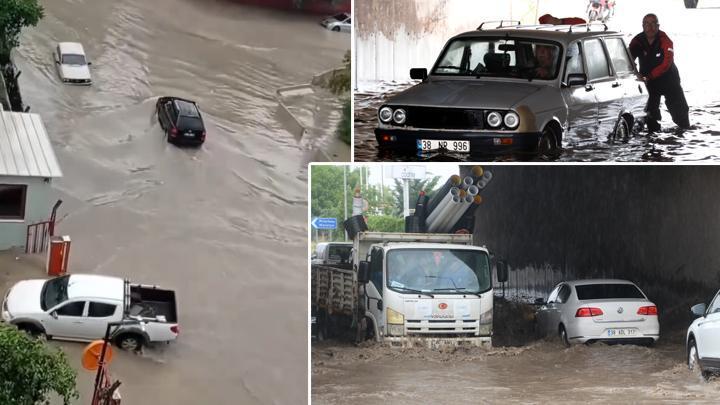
x: 181, y: 120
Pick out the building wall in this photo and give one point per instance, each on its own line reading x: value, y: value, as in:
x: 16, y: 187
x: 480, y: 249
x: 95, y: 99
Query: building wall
x: 394, y: 36
x: 39, y: 201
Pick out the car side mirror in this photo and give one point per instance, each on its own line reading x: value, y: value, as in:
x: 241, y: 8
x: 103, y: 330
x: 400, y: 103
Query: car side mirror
x: 699, y: 309
x: 576, y: 79
x: 364, y: 272
x: 54, y: 314
x: 540, y: 301
x: 89, y: 63
x: 418, y: 73
x: 502, y: 271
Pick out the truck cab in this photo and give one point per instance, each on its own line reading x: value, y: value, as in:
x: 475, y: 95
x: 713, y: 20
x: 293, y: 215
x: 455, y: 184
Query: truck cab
x: 433, y: 288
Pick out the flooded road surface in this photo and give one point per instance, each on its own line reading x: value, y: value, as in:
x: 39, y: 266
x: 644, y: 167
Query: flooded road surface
x: 223, y: 224
x: 542, y: 372
x: 691, y: 32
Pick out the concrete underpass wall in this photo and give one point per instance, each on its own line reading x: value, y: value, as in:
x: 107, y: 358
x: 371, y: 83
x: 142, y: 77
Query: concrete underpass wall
x: 393, y: 36
x: 658, y: 226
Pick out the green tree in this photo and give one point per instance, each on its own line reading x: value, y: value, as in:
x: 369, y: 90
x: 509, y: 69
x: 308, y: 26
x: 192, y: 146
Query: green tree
x: 416, y: 186
x: 30, y: 370
x: 384, y: 223
x: 14, y: 15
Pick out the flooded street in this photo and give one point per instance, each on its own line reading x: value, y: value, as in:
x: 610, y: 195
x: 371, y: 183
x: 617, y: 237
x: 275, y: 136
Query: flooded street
x: 691, y: 32
x: 222, y: 224
x: 541, y: 372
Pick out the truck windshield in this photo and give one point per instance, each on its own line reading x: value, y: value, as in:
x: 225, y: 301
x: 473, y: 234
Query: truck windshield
x: 54, y: 291
x: 499, y: 57
x: 446, y: 271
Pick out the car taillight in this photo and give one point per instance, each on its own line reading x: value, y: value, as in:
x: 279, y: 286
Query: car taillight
x: 586, y: 312
x: 175, y: 329
x: 173, y: 131
x: 203, y: 135
x: 649, y: 310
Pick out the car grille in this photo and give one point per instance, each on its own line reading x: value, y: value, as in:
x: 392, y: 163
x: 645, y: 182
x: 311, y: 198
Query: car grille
x: 78, y: 80
x: 445, y: 118
x: 416, y: 326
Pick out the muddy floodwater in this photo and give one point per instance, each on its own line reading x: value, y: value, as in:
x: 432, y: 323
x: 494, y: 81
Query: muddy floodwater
x: 541, y: 372
x: 223, y: 224
x: 691, y: 32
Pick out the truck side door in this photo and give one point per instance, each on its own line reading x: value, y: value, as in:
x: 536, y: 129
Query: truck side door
x: 66, y: 320
x: 374, y: 288
x: 98, y: 317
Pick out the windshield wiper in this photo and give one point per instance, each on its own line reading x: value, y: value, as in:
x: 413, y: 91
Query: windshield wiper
x: 415, y: 291
x: 457, y: 289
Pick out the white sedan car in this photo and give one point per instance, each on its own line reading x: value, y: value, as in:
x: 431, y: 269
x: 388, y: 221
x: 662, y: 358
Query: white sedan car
x: 588, y: 311
x: 703, y: 338
x: 338, y: 22
x: 71, y: 63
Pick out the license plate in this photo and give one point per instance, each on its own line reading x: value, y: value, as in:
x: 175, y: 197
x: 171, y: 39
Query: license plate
x: 621, y: 332
x: 189, y: 134
x: 452, y: 146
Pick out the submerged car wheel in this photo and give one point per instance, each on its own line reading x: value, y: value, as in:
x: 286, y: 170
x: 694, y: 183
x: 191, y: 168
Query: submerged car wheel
x: 336, y: 29
x: 622, y: 131
x: 129, y: 342
x: 549, y: 145
x: 564, y: 337
x: 693, y: 361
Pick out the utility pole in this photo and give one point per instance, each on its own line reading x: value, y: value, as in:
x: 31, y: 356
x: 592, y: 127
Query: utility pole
x: 406, y: 195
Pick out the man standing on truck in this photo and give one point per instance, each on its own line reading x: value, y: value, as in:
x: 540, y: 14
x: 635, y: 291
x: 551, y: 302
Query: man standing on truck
x: 654, y: 50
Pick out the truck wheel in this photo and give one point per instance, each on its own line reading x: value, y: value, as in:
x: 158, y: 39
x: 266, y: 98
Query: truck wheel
x: 129, y: 341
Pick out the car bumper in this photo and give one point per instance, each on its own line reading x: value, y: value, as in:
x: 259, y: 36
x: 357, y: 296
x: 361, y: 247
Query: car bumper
x: 78, y: 82
x: 179, y: 140
x: 588, y: 331
x: 480, y: 141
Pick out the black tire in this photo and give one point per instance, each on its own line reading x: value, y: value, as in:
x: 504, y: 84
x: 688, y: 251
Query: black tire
x: 622, y: 131
x: 563, y: 336
x: 549, y: 145
x: 336, y: 29
x: 130, y: 341
x: 31, y: 329
x: 693, y: 360
x: 691, y: 3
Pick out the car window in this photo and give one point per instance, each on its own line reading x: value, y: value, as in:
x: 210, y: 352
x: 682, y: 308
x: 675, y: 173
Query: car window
x: 553, y: 295
x: 715, y: 305
x: 618, y: 54
x: 564, y: 294
x: 608, y: 291
x: 73, y: 59
x: 189, y: 123
x: 574, y: 60
x: 72, y: 309
x: 597, y: 64
x: 101, y: 310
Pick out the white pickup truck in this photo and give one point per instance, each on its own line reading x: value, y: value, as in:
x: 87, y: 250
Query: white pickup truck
x: 79, y: 307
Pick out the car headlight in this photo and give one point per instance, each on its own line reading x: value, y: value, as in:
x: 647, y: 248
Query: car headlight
x: 399, y: 116
x: 494, y: 119
x: 395, y: 317
x: 511, y: 120
x: 385, y: 114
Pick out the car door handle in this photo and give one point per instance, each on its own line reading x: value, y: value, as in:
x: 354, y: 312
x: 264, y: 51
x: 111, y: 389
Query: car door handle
x: 616, y: 84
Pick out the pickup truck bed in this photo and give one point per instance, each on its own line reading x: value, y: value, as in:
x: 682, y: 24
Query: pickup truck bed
x: 151, y: 302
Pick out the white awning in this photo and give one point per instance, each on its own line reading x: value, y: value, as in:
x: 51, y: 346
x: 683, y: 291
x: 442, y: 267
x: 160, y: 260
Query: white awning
x: 25, y: 148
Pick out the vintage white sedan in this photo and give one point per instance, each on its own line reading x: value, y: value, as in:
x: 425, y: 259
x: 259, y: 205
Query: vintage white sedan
x: 72, y: 65
x: 703, y: 338
x: 587, y: 311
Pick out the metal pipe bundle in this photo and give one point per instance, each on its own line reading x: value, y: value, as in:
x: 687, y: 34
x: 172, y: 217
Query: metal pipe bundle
x: 453, y: 181
x: 439, y: 223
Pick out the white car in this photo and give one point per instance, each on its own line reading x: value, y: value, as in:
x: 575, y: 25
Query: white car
x: 587, y: 311
x: 703, y: 338
x: 338, y: 22
x: 71, y: 63
x: 80, y: 306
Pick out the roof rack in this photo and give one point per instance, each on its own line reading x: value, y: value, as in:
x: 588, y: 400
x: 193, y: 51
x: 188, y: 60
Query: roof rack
x: 589, y: 25
x: 516, y: 22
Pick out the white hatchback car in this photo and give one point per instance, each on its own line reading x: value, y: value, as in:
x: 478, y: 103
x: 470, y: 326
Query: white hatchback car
x: 71, y: 63
x: 587, y: 311
x: 339, y: 22
x: 703, y: 338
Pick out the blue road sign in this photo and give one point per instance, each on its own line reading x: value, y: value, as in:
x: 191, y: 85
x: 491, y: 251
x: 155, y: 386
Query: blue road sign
x: 324, y: 223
